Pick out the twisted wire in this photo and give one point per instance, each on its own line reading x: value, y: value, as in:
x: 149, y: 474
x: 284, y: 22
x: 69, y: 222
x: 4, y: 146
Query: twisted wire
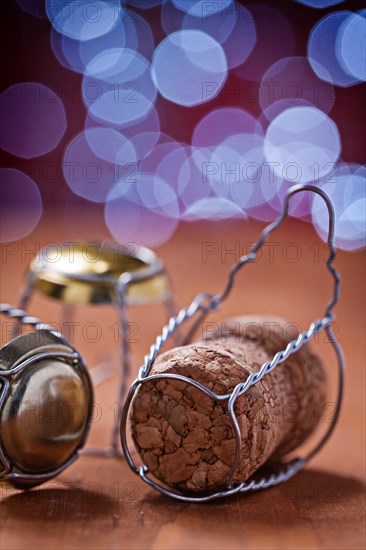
x: 23, y: 317
x: 168, y: 330
x: 292, y: 347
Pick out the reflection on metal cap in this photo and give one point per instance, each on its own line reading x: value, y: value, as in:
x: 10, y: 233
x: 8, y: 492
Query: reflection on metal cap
x: 77, y: 278
x: 46, y: 400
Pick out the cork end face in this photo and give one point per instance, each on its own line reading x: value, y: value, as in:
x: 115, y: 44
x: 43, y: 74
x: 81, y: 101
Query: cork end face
x: 185, y: 437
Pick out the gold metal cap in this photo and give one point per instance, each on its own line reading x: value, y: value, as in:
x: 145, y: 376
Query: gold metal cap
x: 77, y: 278
x: 46, y: 401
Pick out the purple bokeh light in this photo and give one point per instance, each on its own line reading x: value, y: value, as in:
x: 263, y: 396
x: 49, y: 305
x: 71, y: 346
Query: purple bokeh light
x: 91, y: 177
x: 129, y: 220
x: 37, y: 9
x: 26, y: 111
x: 16, y: 188
x: 291, y: 82
x: 222, y: 123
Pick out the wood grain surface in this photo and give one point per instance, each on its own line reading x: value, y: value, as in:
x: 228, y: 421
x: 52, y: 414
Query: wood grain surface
x: 99, y: 503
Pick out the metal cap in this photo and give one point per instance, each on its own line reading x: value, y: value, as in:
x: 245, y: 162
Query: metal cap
x: 46, y: 401
x: 77, y: 278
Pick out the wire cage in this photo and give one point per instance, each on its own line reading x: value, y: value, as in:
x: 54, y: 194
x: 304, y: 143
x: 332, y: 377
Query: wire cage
x: 201, y: 306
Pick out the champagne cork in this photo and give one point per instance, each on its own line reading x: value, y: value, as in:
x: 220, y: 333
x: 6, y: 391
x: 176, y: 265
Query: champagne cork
x: 186, y: 438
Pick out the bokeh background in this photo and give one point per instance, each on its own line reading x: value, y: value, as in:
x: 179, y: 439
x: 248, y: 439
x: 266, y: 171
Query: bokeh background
x: 144, y: 115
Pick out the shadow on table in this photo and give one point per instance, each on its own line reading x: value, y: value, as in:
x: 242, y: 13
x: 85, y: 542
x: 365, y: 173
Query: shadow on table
x: 58, y: 504
x: 310, y: 488
x: 311, y: 492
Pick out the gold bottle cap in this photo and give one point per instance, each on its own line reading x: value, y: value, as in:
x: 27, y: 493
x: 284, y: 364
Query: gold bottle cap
x: 79, y: 276
x: 46, y: 401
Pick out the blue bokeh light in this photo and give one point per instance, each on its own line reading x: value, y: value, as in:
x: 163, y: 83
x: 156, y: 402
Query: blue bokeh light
x: 351, y: 45
x: 276, y: 108
x: 131, y: 106
x: 110, y: 145
x: 150, y: 191
x: 189, y: 67
x: 83, y: 21
x: 323, y: 50
x: 118, y: 88
x: 143, y: 134
x: 156, y: 194
x: 75, y: 54
x: 193, y: 181
x: 243, y: 174
x: 202, y: 8
x: 166, y: 161
x: 216, y: 22
x: 144, y: 142
x: 171, y: 18
x: 170, y: 165
x: 300, y: 141
x: 320, y: 4
x: 138, y: 33
x: 130, y: 31
x: 347, y: 192
x: 228, y: 167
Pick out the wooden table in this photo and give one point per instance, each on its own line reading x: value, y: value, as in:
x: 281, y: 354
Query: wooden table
x: 99, y: 503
